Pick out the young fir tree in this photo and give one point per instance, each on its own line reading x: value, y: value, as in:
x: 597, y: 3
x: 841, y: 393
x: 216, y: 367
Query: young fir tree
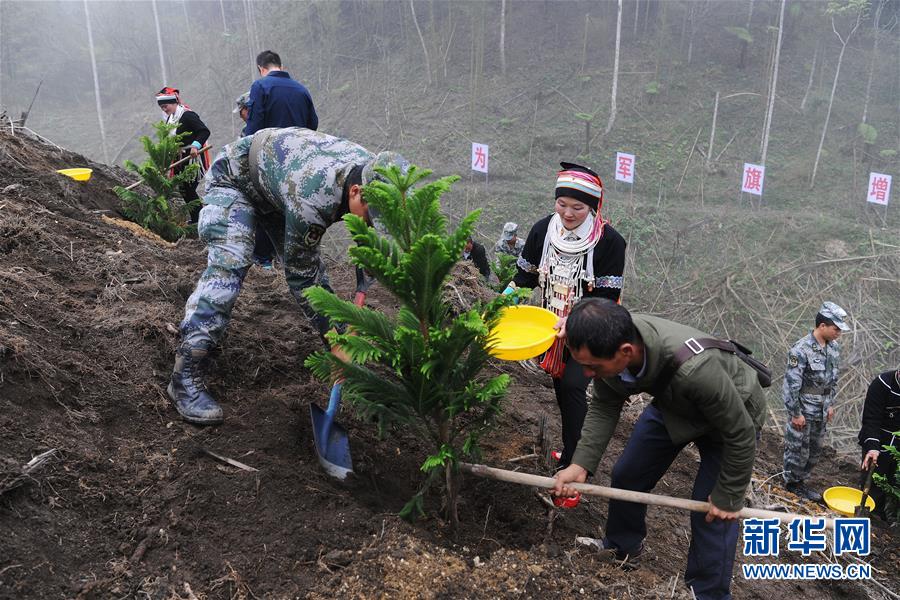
x: 157, y: 212
x: 505, y: 268
x: 892, y: 492
x: 423, y: 368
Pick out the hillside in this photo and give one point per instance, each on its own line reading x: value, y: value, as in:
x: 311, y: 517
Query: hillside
x: 132, y: 504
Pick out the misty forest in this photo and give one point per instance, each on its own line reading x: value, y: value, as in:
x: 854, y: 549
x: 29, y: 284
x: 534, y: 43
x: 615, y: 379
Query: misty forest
x: 743, y: 151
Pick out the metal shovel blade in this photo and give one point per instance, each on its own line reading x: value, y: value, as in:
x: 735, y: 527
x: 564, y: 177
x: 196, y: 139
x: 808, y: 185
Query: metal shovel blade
x: 863, y: 510
x: 332, y: 443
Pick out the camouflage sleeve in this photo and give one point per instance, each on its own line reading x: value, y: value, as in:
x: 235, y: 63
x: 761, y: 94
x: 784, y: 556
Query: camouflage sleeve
x: 793, y: 380
x: 303, y: 265
x: 833, y: 377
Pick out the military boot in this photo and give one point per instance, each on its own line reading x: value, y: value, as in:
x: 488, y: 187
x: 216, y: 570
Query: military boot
x: 188, y: 390
x: 799, y: 488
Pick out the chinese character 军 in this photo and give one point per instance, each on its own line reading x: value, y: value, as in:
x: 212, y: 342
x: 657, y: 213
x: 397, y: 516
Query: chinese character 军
x: 852, y: 535
x: 807, y: 535
x: 761, y: 537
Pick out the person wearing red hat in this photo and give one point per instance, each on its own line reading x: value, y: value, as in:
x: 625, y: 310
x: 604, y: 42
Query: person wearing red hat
x: 188, y: 122
x: 571, y: 254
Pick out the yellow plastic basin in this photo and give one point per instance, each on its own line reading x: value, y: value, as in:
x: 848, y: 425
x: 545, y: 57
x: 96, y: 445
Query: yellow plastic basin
x: 77, y: 174
x: 844, y: 499
x: 523, y: 332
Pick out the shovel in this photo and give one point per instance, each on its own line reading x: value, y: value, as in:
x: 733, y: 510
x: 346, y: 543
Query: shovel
x: 862, y: 510
x: 332, y: 444
x: 626, y: 495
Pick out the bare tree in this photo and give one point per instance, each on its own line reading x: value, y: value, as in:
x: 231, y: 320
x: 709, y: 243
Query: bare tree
x: 162, y: 58
x: 615, y: 83
x: 87, y: 20
x: 812, y: 72
x: 851, y: 6
x: 412, y: 7
x: 768, y: 121
x: 876, y: 32
x: 503, y: 36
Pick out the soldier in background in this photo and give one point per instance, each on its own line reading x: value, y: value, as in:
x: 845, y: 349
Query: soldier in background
x: 297, y: 182
x: 242, y: 109
x: 509, y: 242
x: 810, y: 381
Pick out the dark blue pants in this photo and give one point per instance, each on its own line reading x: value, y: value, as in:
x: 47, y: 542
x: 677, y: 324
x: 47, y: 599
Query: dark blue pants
x: 571, y: 390
x: 646, y: 457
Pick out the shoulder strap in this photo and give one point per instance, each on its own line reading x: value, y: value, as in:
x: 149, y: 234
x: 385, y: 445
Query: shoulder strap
x: 691, y: 348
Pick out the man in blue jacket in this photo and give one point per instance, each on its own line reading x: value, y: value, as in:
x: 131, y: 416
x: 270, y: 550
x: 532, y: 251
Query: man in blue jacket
x: 276, y: 100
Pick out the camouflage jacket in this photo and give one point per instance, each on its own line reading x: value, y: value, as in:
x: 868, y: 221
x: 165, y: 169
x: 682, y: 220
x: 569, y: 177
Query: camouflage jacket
x: 301, y: 176
x: 502, y: 247
x: 810, y: 377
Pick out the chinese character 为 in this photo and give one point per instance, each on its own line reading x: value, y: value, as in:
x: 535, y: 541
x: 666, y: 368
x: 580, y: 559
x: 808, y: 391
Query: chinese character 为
x: 807, y: 535
x: 879, y: 188
x: 479, y: 157
x: 752, y: 179
x: 625, y: 166
x: 761, y: 537
x: 852, y: 535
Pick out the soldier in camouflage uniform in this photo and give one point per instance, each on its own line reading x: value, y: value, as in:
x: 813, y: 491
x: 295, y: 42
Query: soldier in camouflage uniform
x: 509, y: 242
x: 810, y: 381
x: 296, y: 183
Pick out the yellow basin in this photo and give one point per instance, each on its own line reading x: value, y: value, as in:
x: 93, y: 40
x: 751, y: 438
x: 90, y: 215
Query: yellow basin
x: 523, y: 332
x: 844, y: 499
x: 77, y: 174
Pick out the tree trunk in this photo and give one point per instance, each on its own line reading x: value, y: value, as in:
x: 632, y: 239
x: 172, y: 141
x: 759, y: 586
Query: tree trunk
x: 877, y: 26
x: 637, y: 11
x: 768, y: 121
x: 503, y: 36
x: 412, y: 7
x: 615, y: 83
x: 87, y: 19
x: 744, y: 44
x: 837, y: 73
x: 224, y: 22
x: 712, y: 133
x: 587, y: 20
x: 812, y: 73
x: 162, y: 58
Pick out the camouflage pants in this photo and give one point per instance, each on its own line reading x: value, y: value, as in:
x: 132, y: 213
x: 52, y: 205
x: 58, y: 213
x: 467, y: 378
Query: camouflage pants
x: 227, y: 225
x: 801, y: 449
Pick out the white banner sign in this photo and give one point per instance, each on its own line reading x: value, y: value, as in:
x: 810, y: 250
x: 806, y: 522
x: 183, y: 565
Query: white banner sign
x: 480, y: 157
x: 879, y: 189
x: 754, y: 175
x: 625, y: 167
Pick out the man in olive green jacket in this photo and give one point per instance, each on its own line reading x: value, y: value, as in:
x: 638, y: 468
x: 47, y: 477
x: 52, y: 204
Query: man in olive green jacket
x: 713, y: 400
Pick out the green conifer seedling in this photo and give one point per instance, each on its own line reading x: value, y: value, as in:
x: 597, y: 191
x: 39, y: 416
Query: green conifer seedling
x: 157, y: 212
x: 423, y: 368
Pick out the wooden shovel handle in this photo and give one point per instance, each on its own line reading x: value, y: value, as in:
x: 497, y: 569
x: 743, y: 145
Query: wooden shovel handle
x: 172, y: 166
x: 625, y: 495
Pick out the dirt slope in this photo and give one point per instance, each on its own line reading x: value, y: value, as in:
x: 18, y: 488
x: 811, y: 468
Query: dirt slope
x: 131, y: 506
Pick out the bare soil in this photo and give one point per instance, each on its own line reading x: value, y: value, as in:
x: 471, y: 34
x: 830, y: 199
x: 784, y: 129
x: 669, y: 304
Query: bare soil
x: 132, y: 506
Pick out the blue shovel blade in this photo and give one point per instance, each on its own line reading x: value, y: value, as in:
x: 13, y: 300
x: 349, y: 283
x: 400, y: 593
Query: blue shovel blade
x: 332, y: 443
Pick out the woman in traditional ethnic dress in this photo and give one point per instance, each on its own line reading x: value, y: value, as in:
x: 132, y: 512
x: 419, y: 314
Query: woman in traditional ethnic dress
x: 571, y: 254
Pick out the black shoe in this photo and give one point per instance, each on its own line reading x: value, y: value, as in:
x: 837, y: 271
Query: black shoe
x: 188, y: 390
x: 628, y: 560
x: 799, y: 488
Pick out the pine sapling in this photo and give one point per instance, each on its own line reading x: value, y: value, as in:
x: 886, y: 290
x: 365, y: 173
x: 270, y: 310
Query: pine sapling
x: 423, y: 368
x: 158, y: 212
